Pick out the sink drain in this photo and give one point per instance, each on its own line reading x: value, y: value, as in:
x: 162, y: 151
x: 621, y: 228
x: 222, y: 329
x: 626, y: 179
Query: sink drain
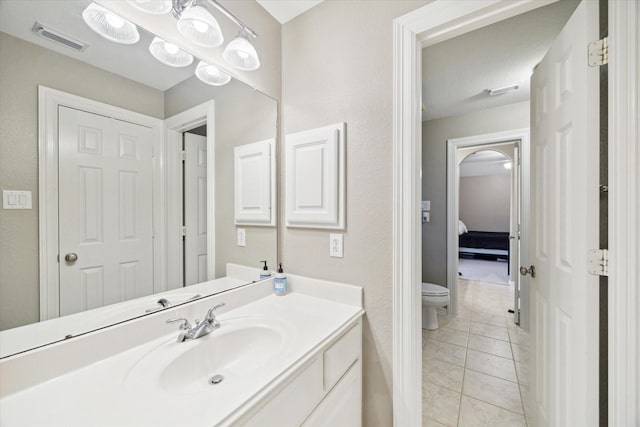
x: 216, y: 379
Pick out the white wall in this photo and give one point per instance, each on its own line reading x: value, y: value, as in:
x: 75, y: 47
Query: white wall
x: 485, y: 202
x: 337, y: 67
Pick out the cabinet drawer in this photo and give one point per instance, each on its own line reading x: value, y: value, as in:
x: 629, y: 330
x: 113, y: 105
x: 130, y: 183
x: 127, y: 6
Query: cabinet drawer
x: 341, y: 355
x: 293, y: 403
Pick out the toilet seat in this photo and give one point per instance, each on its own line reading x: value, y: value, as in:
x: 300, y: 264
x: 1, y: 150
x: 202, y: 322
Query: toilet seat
x: 431, y: 290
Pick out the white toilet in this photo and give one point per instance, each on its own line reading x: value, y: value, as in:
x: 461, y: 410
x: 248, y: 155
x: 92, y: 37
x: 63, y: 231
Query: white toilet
x: 433, y: 296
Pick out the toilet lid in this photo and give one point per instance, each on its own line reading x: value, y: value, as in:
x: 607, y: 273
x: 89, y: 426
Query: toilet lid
x: 434, y: 290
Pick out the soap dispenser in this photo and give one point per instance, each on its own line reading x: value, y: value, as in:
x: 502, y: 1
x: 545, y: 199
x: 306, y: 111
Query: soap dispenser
x: 265, y: 273
x: 280, y: 282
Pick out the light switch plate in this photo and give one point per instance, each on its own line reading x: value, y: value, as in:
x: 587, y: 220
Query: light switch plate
x: 426, y: 205
x: 242, y: 237
x: 12, y: 199
x: 335, y: 245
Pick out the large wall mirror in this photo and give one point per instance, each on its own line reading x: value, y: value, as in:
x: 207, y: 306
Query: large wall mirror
x: 119, y: 174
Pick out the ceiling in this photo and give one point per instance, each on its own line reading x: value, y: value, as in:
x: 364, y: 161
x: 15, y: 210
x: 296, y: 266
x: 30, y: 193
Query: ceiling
x: 285, y: 10
x: 456, y: 73
x: 134, y: 62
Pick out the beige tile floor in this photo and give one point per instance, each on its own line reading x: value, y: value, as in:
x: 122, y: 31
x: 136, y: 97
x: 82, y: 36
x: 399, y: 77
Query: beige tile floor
x: 475, y: 366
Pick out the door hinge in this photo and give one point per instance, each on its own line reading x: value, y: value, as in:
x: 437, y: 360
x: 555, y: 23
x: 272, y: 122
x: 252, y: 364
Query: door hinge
x: 183, y: 230
x: 599, y: 262
x: 183, y: 155
x: 598, y: 53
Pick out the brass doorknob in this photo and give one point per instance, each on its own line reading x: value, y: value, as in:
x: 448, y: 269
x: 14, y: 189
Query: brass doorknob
x: 531, y: 270
x: 71, y: 257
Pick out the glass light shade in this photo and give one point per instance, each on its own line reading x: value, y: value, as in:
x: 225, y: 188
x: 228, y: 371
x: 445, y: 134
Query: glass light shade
x: 109, y: 25
x: 212, y: 75
x: 169, y: 54
x: 200, y: 27
x: 155, y: 7
x: 241, y: 54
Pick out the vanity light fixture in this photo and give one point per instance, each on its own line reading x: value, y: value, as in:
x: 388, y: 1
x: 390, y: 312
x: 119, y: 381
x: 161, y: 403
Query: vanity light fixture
x: 169, y: 54
x: 212, y: 75
x: 503, y: 89
x: 109, y: 25
x: 507, y: 165
x: 199, y: 26
x: 155, y: 7
x: 241, y: 54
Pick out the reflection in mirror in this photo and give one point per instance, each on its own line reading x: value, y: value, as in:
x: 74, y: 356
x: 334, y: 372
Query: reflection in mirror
x: 129, y: 166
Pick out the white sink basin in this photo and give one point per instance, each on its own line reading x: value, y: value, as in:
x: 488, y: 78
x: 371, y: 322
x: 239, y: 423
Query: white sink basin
x: 236, y: 350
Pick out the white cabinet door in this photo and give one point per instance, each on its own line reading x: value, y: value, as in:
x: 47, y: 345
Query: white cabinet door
x: 195, y: 209
x: 565, y: 150
x: 315, y: 178
x: 342, y: 407
x: 105, y: 207
x: 254, y: 183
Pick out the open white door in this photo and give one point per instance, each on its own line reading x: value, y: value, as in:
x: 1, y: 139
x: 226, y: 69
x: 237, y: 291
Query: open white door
x: 514, y: 232
x: 105, y: 210
x: 195, y: 209
x: 564, y: 137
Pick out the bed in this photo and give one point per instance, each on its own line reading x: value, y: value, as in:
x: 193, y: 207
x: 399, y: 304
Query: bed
x: 483, y: 244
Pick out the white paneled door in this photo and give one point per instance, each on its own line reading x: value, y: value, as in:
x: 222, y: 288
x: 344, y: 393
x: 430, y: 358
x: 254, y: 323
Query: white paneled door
x: 195, y: 209
x: 105, y: 210
x: 564, y: 185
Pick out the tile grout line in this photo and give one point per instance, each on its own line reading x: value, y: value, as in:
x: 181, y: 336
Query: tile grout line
x: 464, y: 369
x: 524, y: 410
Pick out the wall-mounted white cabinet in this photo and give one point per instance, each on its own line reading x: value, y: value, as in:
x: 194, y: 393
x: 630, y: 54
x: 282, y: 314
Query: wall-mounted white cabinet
x: 254, y: 184
x: 315, y: 178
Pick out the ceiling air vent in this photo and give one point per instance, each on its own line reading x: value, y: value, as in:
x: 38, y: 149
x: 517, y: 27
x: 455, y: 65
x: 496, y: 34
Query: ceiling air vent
x: 59, y: 38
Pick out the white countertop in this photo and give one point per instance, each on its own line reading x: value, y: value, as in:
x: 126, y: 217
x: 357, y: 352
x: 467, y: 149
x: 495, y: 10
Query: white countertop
x: 116, y: 391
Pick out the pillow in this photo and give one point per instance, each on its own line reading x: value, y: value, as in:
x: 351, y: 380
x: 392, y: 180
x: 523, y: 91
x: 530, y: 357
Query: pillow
x: 462, y: 228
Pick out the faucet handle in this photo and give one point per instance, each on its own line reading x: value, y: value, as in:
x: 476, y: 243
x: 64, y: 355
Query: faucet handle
x: 214, y: 308
x: 185, y: 323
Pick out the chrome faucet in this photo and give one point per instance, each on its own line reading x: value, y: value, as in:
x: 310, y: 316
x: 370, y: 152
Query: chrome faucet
x: 198, y: 329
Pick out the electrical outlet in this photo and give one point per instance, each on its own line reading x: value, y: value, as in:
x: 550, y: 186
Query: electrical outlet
x: 242, y: 237
x: 335, y: 245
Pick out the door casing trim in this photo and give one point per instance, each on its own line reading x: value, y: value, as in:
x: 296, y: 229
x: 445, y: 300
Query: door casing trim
x: 203, y: 114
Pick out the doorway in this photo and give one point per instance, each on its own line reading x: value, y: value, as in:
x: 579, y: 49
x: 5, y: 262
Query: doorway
x: 424, y: 26
x: 484, y: 215
x: 194, y: 205
x: 190, y: 138
x: 513, y: 146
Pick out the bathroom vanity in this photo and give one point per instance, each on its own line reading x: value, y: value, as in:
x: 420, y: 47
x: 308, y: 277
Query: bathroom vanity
x: 274, y: 361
